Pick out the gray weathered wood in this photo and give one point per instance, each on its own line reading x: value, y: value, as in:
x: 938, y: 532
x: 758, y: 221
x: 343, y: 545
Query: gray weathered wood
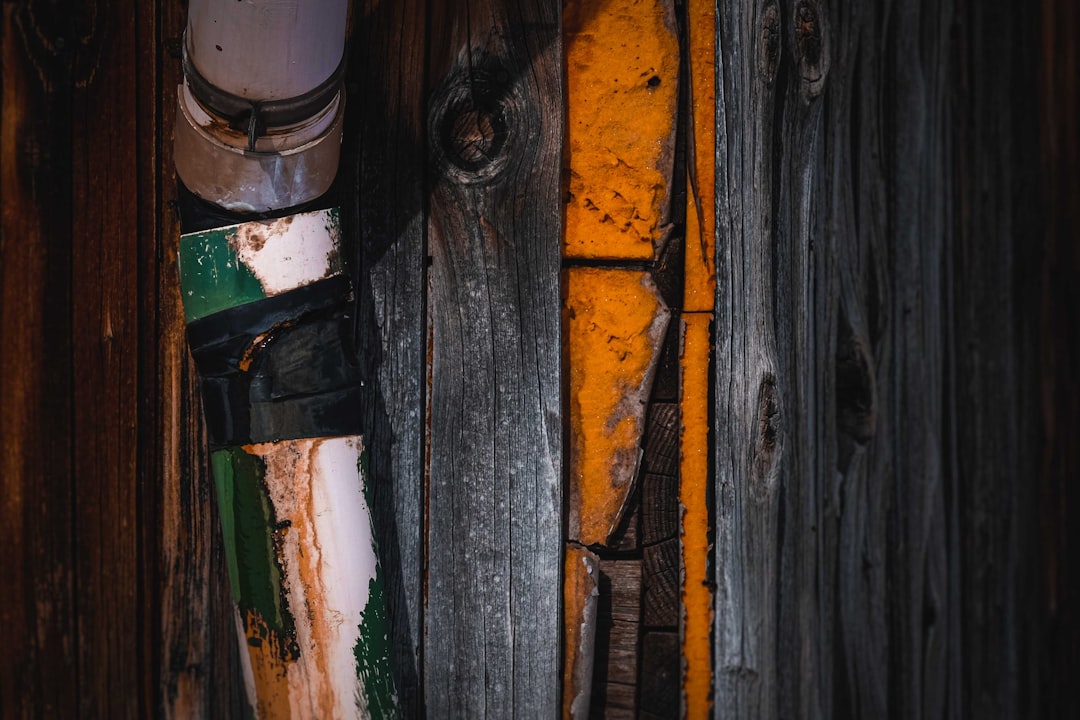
x: 872, y: 422
x: 386, y: 142
x: 495, y: 464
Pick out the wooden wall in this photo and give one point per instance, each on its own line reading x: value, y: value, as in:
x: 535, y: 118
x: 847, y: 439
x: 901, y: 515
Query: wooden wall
x: 895, y: 403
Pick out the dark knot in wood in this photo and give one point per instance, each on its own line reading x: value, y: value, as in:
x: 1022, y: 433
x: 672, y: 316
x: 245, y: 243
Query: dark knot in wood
x: 810, y: 47
x: 856, y: 397
x: 767, y: 447
x: 474, y: 137
x: 472, y: 122
x: 771, y: 46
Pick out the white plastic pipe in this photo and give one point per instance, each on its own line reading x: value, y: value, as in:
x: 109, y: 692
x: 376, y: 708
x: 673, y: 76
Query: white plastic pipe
x: 266, y: 49
x: 260, y: 112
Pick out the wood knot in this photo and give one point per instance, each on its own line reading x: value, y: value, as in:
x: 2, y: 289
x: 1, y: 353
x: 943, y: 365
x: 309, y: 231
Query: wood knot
x: 771, y: 46
x: 471, y: 125
x: 810, y: 47
x: 856, y: 399
x: 768, y: 444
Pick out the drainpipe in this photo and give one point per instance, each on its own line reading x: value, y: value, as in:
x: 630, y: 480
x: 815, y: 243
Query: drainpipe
x: 267, y: 301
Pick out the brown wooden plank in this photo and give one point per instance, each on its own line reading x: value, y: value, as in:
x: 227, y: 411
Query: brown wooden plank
x: 494, y: 496
x: 38, y: 670
x: 383, y: 165
x: 105, y: 313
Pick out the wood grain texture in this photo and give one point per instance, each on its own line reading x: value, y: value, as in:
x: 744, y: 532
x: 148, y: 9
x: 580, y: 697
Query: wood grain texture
x: 872, y: 420
x: 38, y: 673
x: 1059, y: 355
x: 495, y: 466
x: 383, y: 161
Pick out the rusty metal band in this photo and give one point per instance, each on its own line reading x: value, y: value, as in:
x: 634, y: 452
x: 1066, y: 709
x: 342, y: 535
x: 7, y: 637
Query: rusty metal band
x: 255, y: 116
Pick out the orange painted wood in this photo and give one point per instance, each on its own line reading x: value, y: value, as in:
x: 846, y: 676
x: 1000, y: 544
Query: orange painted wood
x: 581, y: 580
x: 697, y: 599
x: 699, y: 292
x: 616, y: 324
x: 622, y: 62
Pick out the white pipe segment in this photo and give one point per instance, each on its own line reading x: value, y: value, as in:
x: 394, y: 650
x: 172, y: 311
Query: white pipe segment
x: 258, y: 126
x: 266, y: 49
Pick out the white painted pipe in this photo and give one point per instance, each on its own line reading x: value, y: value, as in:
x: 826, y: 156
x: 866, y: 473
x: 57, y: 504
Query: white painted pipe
x: 266, y: 49
x: 260, y: 111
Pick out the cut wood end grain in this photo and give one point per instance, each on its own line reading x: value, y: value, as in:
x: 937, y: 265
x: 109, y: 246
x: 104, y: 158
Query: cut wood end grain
x: 617, y: 322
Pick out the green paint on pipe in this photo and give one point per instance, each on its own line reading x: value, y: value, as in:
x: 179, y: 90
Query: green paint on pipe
x: 249, y: 527
x: 374, y: 663
x: 212, y: 278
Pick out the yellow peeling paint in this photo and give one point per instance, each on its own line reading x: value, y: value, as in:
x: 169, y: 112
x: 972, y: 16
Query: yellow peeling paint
x: 616, y: 324
x: 700, y: 292
x: 622, y: 62
x: 694, y: 476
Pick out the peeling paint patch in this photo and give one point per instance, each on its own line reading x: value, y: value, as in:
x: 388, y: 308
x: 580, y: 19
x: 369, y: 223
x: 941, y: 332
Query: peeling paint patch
x: 234, y: 265
x: 622, y: 79
x: 317, y: 523
x: 617, y: 322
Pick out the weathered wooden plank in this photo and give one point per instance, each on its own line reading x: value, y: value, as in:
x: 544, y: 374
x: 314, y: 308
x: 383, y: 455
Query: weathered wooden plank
x: 750, y: 409
x: 991, y: 379
x: 494, y: 543
x: 383, y: 164
x: 38, y: 670
x: 660, y: 601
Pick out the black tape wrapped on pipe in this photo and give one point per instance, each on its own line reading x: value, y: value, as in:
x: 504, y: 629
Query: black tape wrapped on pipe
x: 281, y: 367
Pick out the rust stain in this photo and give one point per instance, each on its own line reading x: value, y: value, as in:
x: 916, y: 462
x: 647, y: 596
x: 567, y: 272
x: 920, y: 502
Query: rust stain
x: 697, y: 601
x: 700, y: 278
x: 289, y: 477
x: 622, y: 79
x: 616, y: 323
x: 269, y: 668
x: 251, y: 237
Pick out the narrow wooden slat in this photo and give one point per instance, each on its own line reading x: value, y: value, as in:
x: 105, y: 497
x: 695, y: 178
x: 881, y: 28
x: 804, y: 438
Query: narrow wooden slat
x: 581, y: 596
x: 382, y: 161
x: 38, y: 670
x: 695, y: 590
x: 494, y: 549
x: 699, y: 54
x: 751, y: 407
